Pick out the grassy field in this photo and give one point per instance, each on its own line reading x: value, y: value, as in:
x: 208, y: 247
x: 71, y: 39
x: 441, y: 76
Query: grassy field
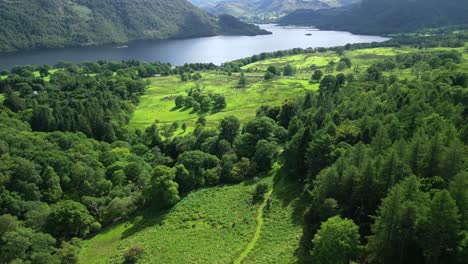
x: 281, y: 234
x: 158, y: 102
x: 208, y: 226
x: 2, y: 98
x: 216, y: 225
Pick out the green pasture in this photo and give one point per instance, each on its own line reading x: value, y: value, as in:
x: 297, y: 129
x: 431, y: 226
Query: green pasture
x: 158, y: 101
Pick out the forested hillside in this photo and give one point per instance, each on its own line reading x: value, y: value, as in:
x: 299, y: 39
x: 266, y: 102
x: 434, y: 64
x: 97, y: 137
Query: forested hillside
x: 32, y: 24
x: 373, y: 141
x: 385, y: 16
x: 267, y: 9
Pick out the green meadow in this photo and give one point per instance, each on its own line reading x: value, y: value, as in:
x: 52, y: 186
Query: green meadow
x: 158, y: 103
x: 215, y: 225
x: 212, y: 225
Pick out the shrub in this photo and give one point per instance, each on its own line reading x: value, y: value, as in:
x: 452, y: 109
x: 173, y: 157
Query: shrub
x: 133, y: 254
x: 259, y: 193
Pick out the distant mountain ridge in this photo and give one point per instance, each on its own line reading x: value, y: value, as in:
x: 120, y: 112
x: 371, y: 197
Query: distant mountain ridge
x: 266, y: 9
x: 32, y: 24
x: 385, y: 16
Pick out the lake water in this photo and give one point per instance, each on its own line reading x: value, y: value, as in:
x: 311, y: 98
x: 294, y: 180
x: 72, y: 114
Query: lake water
x: 216, y: 49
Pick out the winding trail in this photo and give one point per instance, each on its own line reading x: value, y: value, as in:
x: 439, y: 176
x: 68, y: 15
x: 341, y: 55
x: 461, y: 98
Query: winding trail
x: 258, y: 230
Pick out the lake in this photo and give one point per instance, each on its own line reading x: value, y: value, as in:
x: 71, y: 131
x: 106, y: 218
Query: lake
x: 218, y: 49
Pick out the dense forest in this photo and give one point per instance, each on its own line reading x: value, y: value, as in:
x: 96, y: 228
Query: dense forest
x: 34, y: 24
x: 382, y: 159
x: 384, y: 16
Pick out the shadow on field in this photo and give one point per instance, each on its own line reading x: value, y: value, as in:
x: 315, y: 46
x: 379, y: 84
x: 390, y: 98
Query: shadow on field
x: 290, y: 192
x: 147, y: 218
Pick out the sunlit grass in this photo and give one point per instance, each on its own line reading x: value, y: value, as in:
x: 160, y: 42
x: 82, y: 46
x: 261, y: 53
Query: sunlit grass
x: 158, y: 101
x: 208, y: 226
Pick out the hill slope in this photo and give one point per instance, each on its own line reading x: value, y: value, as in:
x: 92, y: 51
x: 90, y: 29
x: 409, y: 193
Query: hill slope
x: 385, y: 16
x: 31, y: 24
x: 266, y: 9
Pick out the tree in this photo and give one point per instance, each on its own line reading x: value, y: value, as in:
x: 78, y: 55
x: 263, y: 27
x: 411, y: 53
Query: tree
x: 441, y: 231
x: 133, y: 254
x: 196, y: 162
x: 295, y: 151
x: 197, y: 107
x: 459, y: 191
x: 420, y: 67
x: 374, y: 73
x: 229, y: 128
x: 185, y: 77
x: 381, y: 141
x: 307, y: 101
x: 340, y: 51
x: 452, y: 160
x: 288, y: 110
x: 272, y: 69
x: 259, y: 194
x: 52, y: 189
x: 167, y: 131
x: 44, y: 70
x: 242, y: 80
x: 240, y: 170
x: 14, y: 102
x: 397, y: 227
x: 336, y: 242
x: 347, y: 61
x: 317, y: 76
x: 119, y: 208
x: 219, y: 102
x: 265, y: 154
x: 69, y: 219
x: 341, y: 66
x: 26, y: 244
x: 260, y: 127
x: 163, y: 190
x: 329, y: 84
x: 206, y: 103
x: 289, y: 70
x: 133, y: 171
x: 318, y: 155
x: 316, y: 213
x: 201, y: 121
x: 268, y: 76
x: 341, y: 79
x: 179, y: 101
x: 197, y: 76
x: 69, y: 252
x: 152, y: 137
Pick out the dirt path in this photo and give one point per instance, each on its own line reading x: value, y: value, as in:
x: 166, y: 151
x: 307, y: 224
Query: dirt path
x: 258, y: 230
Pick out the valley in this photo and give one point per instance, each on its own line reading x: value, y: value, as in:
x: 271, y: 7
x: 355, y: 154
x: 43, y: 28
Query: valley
x: 280, y: 236
x: 151, y: 131
x: 266, y: 10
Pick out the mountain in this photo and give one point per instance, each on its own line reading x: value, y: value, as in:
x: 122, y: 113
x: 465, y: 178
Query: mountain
x: 385, y: 16
x: 266, y: 9
x: 32, y: 24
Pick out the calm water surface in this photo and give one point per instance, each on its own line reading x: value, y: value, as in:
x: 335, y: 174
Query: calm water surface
x: 217, y: 49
